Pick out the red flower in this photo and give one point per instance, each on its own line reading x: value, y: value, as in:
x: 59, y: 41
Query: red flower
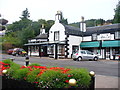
x: 69, y: 75
x: 40, y: 67
x: 36, y: 82
x: 24, y: 78
x: 23, y: 67
x: 67, y: 81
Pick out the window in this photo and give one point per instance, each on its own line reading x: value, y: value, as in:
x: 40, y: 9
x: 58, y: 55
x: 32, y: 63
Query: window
x: 50, y: 49
x: 75, y: 49
x: 117, y: 35
x: 94, y: 37
x: 89, y: 53
x: 61, y: 49
x: 83, y: 52
x: 56, y: 36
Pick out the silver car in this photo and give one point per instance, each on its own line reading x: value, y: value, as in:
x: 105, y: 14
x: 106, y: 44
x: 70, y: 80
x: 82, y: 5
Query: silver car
x: 84, y: 54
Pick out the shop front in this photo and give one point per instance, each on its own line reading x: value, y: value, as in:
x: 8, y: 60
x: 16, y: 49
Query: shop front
x: 104, y: 49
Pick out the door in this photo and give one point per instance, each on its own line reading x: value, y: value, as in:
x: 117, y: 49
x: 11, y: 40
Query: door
x: 89, y: 55
x: 107, y: 53
x: 83, y: 54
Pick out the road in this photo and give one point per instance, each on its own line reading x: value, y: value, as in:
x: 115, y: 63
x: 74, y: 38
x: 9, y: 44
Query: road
x: 100, y: 67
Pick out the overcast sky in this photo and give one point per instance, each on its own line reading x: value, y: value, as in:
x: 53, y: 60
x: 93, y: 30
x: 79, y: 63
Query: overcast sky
x: 46, y: 9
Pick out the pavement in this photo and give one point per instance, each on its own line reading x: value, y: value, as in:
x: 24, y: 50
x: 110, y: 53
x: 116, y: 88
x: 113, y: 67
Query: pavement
x: 110, y: 82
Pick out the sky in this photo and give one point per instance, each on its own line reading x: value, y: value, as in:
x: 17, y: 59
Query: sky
x: 46, y: 9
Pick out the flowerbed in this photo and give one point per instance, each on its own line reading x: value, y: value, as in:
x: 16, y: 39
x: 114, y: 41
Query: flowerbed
x: 44, y: 77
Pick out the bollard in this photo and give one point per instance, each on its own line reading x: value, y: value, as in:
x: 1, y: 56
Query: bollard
x: 92, y: 85
x: 12, y: 59
x: 27, y: 60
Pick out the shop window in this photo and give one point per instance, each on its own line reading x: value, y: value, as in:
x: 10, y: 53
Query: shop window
x: 56, y: 35
x: 50, y: 49
x: 61, y: 49
x: 94, y: 37
x: 75, y: 49
x: 117, y: 35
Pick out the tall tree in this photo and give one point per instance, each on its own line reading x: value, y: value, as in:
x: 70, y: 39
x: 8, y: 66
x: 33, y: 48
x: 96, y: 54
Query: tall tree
x: 116, y: 18
x: 25, y: 14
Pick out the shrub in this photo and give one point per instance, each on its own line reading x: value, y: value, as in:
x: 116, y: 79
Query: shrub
x: 51, y: 79
x: 7, y: 61
x: 32, y: 76
x: 13, y: 68
x: 81, y: 75
x: 34, y: 64
x: 20, y: 73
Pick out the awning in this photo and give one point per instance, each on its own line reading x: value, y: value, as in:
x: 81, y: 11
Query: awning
x: 89, y: 44
x: 115, y: 43
x: 45, y: 43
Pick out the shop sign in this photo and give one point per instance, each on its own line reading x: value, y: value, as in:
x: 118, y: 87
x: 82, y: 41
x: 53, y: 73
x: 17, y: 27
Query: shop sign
x: 106, y: 36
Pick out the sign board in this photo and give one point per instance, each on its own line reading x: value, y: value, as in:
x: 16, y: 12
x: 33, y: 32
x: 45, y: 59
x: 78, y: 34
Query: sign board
x: 106, y: 36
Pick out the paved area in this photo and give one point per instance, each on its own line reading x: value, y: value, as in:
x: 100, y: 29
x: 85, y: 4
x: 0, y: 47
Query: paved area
x: 102, y: 81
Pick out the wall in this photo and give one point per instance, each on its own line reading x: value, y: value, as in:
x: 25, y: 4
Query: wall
x: 73, y: 40
x: 87, y: 38
x: 57, y: 27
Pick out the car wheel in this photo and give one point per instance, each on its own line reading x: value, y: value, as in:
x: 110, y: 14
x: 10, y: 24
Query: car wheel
x: 95, y: 58
x: 74, y: 59
x: 16, y: 54
x: 79, y: 58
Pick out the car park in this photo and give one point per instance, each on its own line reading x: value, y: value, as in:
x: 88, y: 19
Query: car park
x: 84, y: 55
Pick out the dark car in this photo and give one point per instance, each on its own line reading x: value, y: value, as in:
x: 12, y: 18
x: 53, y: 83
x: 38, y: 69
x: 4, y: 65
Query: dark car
x: 19, y: 51
x: 9, y: 51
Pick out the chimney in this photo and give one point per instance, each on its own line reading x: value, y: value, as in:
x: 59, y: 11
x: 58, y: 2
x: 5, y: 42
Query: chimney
x: 82, y: 25
x: 58, y: 16
x: 42, y: 30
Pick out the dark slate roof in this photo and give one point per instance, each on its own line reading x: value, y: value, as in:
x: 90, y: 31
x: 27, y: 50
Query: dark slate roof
x: 70, y: 30
x: 42, y: 36
x: 91, y: 30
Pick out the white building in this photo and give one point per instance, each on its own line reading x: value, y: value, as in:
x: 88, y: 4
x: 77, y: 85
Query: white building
x: 63, y: 40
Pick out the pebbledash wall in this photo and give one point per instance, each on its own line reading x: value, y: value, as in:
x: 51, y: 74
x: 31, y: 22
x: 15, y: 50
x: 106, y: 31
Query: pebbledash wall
x: 63, y: 40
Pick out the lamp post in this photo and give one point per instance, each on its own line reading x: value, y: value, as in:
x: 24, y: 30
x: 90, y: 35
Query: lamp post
x: 92, y: 74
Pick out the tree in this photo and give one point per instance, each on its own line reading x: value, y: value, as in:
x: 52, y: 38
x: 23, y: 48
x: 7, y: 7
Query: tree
x: 99, y: 22
x: 25, y: 34
x: 19, y: 25
x: 64, y: 21
x: 10, y: 41
x: 25, y: 14
x: 116, y: 18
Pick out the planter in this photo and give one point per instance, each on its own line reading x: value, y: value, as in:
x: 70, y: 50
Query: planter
x: 8, y: 83
x: 12, y: 83
x: 36, y: 77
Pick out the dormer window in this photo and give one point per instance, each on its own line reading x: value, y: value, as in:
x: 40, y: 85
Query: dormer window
x: 56, y: 36
x: 117, y: 35
x: 94, y: 37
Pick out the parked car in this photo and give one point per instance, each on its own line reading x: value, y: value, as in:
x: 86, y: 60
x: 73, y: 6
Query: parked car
x: 9, y: 51
x: 84, y: 55
x: 19, y: 51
